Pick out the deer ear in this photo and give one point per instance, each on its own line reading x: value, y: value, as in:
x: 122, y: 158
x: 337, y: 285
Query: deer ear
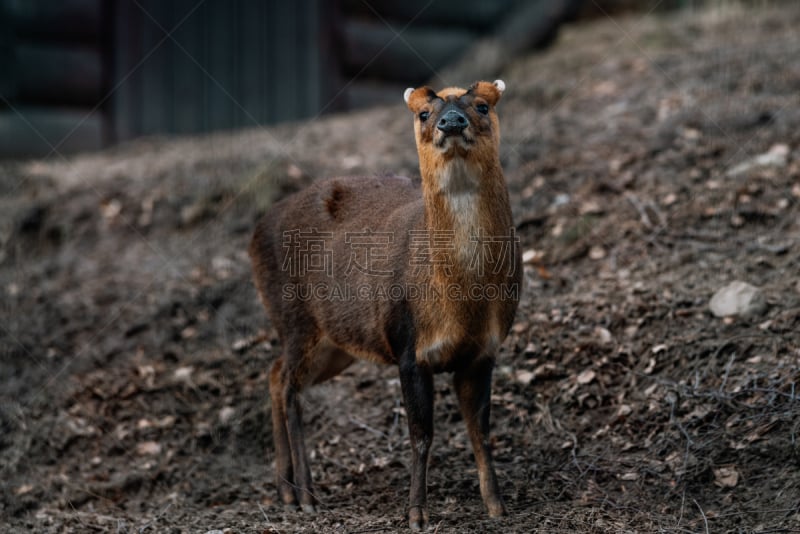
x: 490, y: 91
x: 416, y: 98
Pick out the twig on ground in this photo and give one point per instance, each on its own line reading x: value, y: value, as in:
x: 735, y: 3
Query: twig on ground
x: 705, y: 519
x: 727, y: 372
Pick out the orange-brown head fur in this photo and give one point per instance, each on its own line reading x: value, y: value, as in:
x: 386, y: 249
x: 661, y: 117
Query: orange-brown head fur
x: 477, y: 144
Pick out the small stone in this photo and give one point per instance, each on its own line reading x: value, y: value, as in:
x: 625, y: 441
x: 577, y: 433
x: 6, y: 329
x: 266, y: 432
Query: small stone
x: 183, y: 374
x: 586, y: 377
x: 604, y: 335
x: 111, y: 208
x: 294, y: 171
x: 738, y: 298
x: 560, y: 200
x: 226, y: 414
x: 597, y: 252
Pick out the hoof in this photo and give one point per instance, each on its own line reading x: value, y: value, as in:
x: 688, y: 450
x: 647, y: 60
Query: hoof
x: 309, y: 509
x: 417, y: 518
x: 497, y: 509
x: 290, y: 507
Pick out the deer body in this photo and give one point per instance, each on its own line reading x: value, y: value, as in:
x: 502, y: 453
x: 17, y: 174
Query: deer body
x: 442, y: 244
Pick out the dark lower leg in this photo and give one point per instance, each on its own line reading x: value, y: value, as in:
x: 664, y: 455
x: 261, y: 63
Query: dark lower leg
x: 302, y: 472
x: 473, y: 387
x: 417, y: 384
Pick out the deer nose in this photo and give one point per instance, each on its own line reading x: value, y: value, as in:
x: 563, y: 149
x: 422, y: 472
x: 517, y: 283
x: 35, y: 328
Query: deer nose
x: 452, y: 122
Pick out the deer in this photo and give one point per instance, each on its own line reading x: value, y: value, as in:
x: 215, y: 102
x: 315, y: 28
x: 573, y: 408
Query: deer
x: 437, y: 270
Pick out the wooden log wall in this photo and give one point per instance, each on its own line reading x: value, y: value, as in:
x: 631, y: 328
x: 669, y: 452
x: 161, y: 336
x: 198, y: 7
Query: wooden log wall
x: 52, y: 76
x: 83, y: 74
x: 227, y: 64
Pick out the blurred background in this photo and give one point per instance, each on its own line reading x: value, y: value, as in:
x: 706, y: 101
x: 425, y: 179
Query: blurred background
x: 80, y: 75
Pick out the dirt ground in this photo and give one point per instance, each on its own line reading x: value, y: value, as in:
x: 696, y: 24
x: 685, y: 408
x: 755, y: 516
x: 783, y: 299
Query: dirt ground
x: 651, y: 161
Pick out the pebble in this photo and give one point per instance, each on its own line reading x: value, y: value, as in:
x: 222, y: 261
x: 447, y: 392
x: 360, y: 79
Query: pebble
x: 738, y: 298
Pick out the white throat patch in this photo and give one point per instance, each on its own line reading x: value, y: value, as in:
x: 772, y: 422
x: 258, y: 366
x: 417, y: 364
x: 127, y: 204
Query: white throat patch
x: 459, y: 182
x: 457, y: 178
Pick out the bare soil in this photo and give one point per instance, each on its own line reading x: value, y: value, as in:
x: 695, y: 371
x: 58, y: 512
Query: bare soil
x: 134, y: 352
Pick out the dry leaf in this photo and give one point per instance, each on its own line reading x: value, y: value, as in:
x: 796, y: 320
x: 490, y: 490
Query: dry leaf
x: 148, y: 448
x: 624, y: 410
x: 22, y: 490
x: 726, y: 477
x: 524, y: 377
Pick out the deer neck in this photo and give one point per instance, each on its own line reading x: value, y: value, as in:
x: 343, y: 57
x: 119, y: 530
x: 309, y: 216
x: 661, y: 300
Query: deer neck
x: 464, y: 202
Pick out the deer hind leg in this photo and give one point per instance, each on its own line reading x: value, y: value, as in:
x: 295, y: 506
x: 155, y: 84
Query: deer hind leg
x: 283, y: 456
x: 292, y: 470
x: 473, y: 387
x: 297, y: 444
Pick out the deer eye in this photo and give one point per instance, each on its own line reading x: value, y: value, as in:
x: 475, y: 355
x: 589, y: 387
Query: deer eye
x: 482, y: 108
x: 423, y: 116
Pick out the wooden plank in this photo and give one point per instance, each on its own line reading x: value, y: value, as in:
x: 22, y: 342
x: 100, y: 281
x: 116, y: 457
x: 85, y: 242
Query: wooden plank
x: 21, y: 136
x: 156, y: 99
x: 126, y: 77
x: 328, y: 23
x: 284, y: 60
x: 375, y: 50
x: 265, y: 58
x: 187, y: 77
x: 219, y: 32
x: 59, y: 74
x: 8, y: 83
x: 254, y: 70
x: 62, y: 20
x: 308, y: 20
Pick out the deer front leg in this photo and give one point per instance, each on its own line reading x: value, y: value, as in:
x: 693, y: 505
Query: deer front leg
x: 417, y: 385
x: 473, y: 387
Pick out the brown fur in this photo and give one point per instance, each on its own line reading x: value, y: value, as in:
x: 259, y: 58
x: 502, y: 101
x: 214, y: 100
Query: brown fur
x: 462, y: 195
